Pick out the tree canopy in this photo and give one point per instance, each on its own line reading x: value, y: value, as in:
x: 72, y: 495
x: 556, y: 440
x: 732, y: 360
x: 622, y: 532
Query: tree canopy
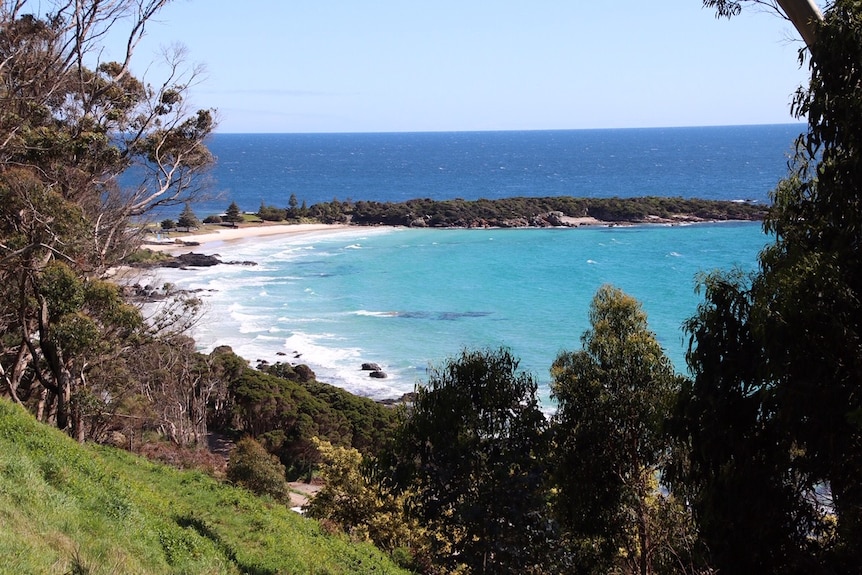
x: 777, y: 358
x: 613, y: 398
x: 473, y: 448
x: 70, y: 125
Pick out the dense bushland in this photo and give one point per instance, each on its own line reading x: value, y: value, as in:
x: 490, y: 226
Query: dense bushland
x: 527, y: 211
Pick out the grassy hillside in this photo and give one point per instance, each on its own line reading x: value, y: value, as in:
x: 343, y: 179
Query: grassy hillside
x: 68, y: 508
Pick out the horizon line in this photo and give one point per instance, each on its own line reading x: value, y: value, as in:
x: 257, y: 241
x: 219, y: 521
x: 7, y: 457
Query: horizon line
x: 487, y: 131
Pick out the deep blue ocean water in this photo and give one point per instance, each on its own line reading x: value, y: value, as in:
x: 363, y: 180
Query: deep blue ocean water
x: 740, y: 162
x: 407, y: 298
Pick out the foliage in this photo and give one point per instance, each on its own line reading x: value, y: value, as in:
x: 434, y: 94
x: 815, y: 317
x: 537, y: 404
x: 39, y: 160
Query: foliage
x: 774, y: 407
x: 65, y: 506
x: 739, y: 469
x: 167, y: 224
x: 372, y: 425
x: 233, y: 215
x: 609, y: 444
x: 270, y: 213
x: 168, y: 387
x: 286, y: 411
x: 70, y: 124
x: 472, y: 452
x: 358, y: 505
x: 292, y: 212
x: 524, y: 211
x: 145, y: 256
x: 810, y: 291
x: 188, y: 219
x: 252, y: 467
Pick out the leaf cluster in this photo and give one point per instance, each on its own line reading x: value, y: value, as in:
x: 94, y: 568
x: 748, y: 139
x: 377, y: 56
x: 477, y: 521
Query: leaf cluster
x: 770, y: 421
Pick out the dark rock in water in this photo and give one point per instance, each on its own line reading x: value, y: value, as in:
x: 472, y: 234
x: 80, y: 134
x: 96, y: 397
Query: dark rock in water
x: 377, y: 374
x: 191, y: 259
x: 242, y: 263
x: 370, y: 367
x: 280, y: 353
x: 406, y: 399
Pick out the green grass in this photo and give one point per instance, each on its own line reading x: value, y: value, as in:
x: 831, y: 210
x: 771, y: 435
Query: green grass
x: 70, y: 508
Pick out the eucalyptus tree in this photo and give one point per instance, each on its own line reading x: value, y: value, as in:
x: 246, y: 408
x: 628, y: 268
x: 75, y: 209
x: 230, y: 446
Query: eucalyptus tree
x: 799, y: 329
x: 613, y: 398
x: 472, y: 453
x: 71, y: 124
x: 804, y: 14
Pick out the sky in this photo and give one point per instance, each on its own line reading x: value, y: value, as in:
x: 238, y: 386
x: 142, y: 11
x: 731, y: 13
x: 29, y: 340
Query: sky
x: 451, y: 65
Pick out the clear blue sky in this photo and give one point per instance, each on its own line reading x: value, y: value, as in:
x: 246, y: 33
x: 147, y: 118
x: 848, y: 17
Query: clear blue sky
x: 403, y: 65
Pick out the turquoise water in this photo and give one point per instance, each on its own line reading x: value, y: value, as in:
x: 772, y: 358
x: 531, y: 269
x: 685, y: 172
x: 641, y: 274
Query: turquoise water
x: 407, y: 299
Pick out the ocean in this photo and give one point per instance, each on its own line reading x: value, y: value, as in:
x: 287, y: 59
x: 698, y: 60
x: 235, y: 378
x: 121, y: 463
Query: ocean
x: 407, y: 299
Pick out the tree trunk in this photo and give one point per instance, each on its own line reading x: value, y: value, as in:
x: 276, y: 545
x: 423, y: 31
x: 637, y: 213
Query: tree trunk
x: 805, y: 15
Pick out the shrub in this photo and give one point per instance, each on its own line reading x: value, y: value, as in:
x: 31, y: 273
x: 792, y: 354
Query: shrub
x: 168, y: 224
x: 212, y: 220
x: 270, y: 213
x: 250, y: 466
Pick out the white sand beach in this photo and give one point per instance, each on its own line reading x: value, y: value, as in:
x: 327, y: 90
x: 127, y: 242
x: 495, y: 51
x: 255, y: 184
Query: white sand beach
x: 183, y: 242
x: 206, y: 238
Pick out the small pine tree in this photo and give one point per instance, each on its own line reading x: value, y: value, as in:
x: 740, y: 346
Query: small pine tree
x: 292, y: 204
x: 188, y: 219
x: 233, y: 215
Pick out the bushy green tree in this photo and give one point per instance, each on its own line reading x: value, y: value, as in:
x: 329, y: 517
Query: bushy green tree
x: 253, y: 467
x: 609, y: 445
x: 473, y: 451
x: 787, y: 418
x: 358, y: 505
x: 70, y: 125
x: 809, y: 301
x: 292, y: 211
x: 738, y: 469
x: 270, y: 213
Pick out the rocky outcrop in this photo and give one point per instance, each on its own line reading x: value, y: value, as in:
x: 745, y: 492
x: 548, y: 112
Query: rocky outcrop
x: 192, y: 260
x: 371, y: 367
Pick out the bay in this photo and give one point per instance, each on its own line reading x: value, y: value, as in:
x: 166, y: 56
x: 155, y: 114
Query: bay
x: 408, y: 298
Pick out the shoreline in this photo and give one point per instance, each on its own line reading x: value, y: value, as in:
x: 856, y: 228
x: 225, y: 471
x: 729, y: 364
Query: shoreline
x: 228, y: 235
x: 234, y: 321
